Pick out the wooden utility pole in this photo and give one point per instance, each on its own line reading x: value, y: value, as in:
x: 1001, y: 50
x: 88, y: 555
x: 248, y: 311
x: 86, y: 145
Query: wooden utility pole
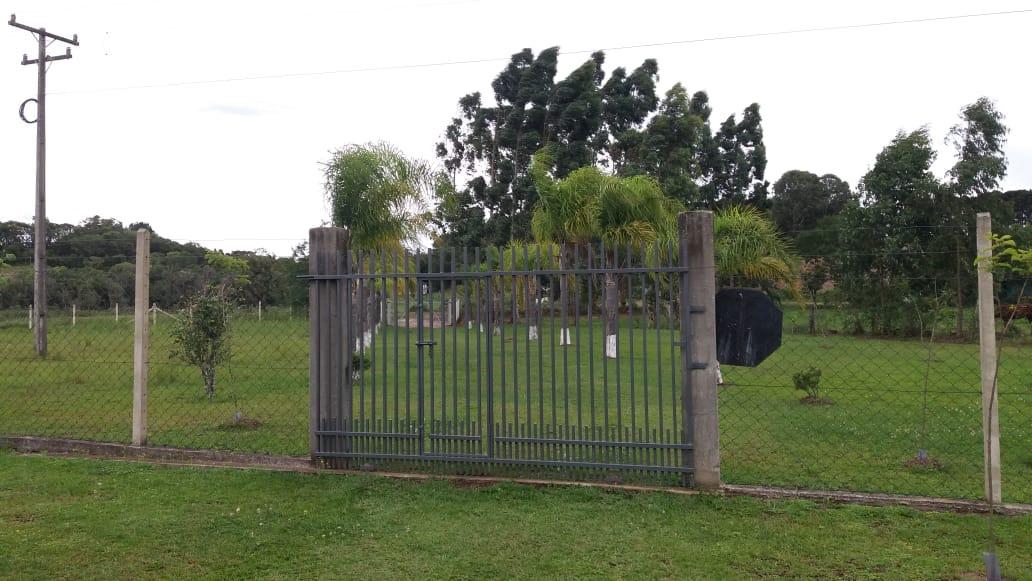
x: 39, y: 241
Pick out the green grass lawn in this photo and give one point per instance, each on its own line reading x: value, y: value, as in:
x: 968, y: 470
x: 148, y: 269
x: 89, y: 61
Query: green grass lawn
x: 880, y: 416
x: 94, y: 519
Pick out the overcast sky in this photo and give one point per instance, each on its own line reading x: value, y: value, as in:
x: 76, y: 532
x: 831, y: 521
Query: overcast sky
x: 236, y: 165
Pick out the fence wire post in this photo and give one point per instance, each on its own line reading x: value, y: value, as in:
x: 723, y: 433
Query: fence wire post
x: 141, y: 338
x: 988, y: 359
x: 698, y: 348
x: 329, y: 393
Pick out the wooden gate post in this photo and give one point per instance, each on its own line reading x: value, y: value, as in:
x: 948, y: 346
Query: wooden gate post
x: 988, y: 359
x: 329, y: 405
x: 141, y: 338
x: 699, y: 347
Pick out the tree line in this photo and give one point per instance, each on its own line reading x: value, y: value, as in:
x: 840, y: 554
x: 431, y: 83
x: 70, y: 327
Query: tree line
x: 893, y: 249
x: 92, y: 265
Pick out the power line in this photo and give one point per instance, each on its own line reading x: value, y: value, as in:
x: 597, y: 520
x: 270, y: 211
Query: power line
x: 436, y: 64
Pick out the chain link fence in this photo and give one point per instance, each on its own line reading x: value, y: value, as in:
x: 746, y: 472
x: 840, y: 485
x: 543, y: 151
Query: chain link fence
x: 894, y: 413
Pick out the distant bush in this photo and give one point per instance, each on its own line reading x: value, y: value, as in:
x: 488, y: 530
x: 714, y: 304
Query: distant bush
x: 809, y: 380
x: 201, y: 334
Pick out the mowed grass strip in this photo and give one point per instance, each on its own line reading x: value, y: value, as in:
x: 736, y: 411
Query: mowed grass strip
x: 883, y: 408
x: 92, y: 519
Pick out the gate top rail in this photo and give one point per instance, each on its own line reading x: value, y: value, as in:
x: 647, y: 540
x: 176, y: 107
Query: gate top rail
x: 490, y: 273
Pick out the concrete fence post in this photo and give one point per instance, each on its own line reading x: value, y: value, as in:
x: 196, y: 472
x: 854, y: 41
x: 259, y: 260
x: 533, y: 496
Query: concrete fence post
x: 988, y: 360
x: 329, y: 374
x: 141, y: 338
x: 698, y: 348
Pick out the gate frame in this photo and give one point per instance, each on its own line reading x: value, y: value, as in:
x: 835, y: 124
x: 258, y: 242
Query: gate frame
x: 329, y: 368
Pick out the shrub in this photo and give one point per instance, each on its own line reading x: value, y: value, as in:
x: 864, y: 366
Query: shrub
x: 201, y: 334
x: 809, y: 381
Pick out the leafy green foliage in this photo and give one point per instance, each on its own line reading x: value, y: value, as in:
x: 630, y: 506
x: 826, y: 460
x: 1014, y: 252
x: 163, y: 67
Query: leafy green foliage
x: 201, y: 333
x: 892, y: 235
x: 379, y: 195
x: 586, y: 120
x: 979, y: 139
x: 809, y: 380
x: 588, y: 206
x: 750, y: 250
x: 674, y: 147
x: 801, y: 199
x: 91, y: 266
x: 736, y: 162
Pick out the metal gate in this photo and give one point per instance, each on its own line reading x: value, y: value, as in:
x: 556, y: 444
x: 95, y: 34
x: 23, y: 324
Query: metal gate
x: 530, y: 360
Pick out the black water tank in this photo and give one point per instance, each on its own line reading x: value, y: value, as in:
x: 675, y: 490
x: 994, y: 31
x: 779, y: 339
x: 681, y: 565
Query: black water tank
x: 748, y: 327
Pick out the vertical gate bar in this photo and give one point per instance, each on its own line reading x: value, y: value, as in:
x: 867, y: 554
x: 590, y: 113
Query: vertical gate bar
x: 478, y: 291
x: 382, y: 324
x: 539, y: 322
x: 603, y: 259
x: 408, y: 333
x: 361, y: 316
x: 420, y: 406
x: 515, y: 336
x: 577, y: 336
x: 619, y: 378
x: 422, y: 351
x: 399, y: 281
x: 347, y: 400
x: 499, y: 302
x: 630, y: 342
x: 371, y: 329
x: 490, y: 367
x: 444, y: 344
x: 564, y: 307
x: 659, y: 344
x: 644, y: 323
x: 453, y: 313
x: 591, y: 337
x: 527, y: 312
x: 466, y: 320
x: 346, y: 403
x: 675, y: 387
x: 553, y: 281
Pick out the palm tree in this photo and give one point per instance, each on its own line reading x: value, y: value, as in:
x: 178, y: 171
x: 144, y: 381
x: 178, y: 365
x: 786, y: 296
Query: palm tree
x: 381, y: 197
x: 633, y: 214
x: 378, y: 194
x: 750, y: 250
x: 586, y: 206
x: 565, y: 214
x: 523, y: 256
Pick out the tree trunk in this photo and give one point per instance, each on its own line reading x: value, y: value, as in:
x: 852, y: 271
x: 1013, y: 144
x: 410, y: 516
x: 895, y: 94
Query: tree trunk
x: 564, y: 296
x: 208, y: 374
x: 960, y: 295
x: 813, y: 317
x: 532, y: 307
x: 612, y: 298
x: 497, y: 306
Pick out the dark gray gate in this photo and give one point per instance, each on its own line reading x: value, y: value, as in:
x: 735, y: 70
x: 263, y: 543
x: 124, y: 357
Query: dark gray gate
x: 530, y: 360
